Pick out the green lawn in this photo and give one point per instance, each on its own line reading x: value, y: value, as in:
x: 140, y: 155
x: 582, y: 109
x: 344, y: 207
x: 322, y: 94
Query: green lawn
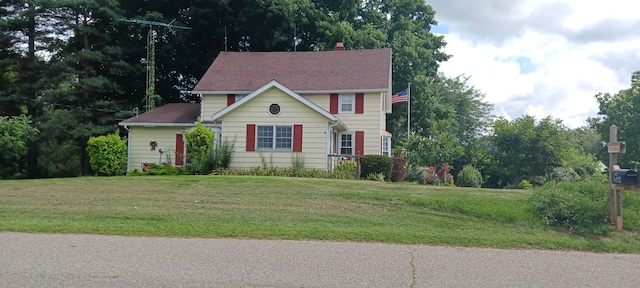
x: 287, y: 208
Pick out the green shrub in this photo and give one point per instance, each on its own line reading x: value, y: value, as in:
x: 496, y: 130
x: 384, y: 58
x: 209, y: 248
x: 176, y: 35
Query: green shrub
x: 224, y: 153
x: 107, y: 154
x: 372, y: 164
x: 580, y: 207
x: 469, y: 176
x: 416, y: 174
x: 199, y: 142
x: 15, y: 132
x: 297, y: 162
x: 525, y: 184
x: 399, y: 169
x: 375, y: 177
x: 563, y: 174
x: 218, y: 158
x: 165, y: 169
x: 346, y: 170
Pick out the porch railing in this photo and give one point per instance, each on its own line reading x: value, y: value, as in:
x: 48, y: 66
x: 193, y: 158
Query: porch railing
x: 334, y: 159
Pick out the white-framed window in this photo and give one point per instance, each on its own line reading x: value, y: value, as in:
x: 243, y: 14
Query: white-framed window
x: 346, y: 103
x: 346, y: 144
x: 239, y: 97
x: 274, y: 137
x: 386, y: 145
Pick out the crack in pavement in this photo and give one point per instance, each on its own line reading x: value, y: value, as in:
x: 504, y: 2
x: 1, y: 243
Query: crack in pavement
x: 412, y: 264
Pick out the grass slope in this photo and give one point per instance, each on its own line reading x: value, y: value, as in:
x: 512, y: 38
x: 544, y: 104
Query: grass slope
x: 287, y: 208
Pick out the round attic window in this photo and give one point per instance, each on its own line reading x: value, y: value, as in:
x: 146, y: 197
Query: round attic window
x: 274, y: 109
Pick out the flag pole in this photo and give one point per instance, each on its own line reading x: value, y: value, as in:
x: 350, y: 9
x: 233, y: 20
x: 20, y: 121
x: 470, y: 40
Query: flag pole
x: 408, y: 110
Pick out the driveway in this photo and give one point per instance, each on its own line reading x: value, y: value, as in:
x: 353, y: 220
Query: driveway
x: 33, y: 260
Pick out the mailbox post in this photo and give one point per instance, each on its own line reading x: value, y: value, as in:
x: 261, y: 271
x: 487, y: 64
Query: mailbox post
x: 614, y: 148
x: 619, y: 179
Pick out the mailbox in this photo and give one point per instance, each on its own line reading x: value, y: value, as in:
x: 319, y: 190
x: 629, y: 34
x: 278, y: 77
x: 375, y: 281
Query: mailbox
x: 625, y: 177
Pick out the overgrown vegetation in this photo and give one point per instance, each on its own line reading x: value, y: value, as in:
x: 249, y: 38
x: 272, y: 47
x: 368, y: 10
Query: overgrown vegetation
x: 218, y: 158
x: 346, y: 170
x: 107, y: 154
x: 580, y: 207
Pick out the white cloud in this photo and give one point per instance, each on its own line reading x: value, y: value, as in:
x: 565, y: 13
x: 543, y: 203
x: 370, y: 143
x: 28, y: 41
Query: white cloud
x: 542, y: 57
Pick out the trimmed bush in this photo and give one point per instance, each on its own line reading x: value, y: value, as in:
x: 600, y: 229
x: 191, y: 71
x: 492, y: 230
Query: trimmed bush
x: 469, y: 176
x: 373, y: 164
x: 399, y: 169
x: 580, y: 207
x: 107, y: 154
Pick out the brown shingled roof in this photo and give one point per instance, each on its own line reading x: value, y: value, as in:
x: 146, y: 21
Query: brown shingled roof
x: 299, y: 71
x: 171, y: 113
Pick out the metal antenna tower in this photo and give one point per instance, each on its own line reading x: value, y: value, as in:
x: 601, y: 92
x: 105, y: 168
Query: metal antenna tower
x: 150, y: 95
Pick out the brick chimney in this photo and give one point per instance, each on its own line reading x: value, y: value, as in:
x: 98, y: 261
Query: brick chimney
x: 339, y: 47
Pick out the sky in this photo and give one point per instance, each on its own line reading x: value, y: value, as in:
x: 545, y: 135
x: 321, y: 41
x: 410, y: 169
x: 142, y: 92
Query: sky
x: 541, y: 57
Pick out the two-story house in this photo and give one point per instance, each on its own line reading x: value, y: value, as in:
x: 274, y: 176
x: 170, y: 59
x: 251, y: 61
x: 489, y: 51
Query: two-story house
x: 275, y: 104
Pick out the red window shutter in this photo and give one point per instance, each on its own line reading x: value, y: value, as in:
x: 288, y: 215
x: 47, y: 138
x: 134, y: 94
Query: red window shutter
x: 359, y: 103
x: 251, y: 137
x: 333, y: 104
x: 231, y: 98
x: 179, y: 150
x: 359, y: 142
x: 297, y: 138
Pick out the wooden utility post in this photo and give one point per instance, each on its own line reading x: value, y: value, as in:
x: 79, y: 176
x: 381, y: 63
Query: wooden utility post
x: 613, y: 160
x: 615, y: 185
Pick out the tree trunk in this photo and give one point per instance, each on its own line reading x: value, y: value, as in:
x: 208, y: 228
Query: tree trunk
x: 84, y: 158
x: 32, y: 149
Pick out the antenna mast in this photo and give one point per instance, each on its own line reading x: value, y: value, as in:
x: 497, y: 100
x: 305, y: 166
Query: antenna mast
x: 150, y: 93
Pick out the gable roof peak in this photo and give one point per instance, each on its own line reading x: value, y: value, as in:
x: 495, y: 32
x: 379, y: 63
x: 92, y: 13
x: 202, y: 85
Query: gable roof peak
x: 275, y: 84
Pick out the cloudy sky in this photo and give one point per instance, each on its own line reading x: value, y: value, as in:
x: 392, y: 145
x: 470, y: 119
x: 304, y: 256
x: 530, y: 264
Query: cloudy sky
x: 542, y: 57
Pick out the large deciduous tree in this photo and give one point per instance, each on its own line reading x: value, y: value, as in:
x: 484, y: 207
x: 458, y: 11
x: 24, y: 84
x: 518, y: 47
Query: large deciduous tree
x: 623, y: 110
x: 538, y: 151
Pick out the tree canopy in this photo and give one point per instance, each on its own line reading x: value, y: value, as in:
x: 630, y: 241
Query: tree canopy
x: 76, y: 69
x: 623, y: 110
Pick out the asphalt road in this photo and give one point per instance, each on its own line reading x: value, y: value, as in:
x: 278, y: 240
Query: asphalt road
x: 30, y: 260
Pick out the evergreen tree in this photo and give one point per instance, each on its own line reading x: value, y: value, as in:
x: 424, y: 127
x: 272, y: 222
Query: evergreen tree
x: 85, y: 71
x: 26, y: 27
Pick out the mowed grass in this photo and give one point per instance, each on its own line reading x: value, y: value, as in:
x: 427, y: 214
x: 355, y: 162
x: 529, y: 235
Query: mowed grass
x: 288, y: 208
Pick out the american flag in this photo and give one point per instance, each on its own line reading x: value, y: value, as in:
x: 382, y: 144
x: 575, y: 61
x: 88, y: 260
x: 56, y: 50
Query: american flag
x: 400, y: 96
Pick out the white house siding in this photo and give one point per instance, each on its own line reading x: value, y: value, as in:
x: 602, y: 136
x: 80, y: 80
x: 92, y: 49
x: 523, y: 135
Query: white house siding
x: 140, y: 151
x: 213, y: 103
x: 371, y: 122
x: 293, y: 112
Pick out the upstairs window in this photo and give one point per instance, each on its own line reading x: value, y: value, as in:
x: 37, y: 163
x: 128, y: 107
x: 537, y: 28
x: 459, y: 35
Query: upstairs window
x: 346, y: 103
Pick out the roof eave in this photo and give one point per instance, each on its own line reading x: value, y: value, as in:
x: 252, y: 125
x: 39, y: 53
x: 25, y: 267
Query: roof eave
x: 151, y: 124
x: 372, y: 90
